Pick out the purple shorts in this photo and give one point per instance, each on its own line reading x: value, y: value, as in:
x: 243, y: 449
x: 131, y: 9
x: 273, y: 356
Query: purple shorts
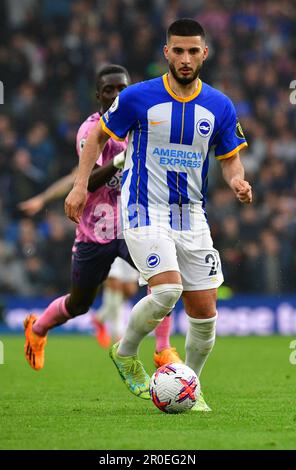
x: 91, y: 262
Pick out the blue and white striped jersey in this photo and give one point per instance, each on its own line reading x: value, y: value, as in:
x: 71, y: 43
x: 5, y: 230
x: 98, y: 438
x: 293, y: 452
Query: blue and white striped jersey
x: 170, y: 138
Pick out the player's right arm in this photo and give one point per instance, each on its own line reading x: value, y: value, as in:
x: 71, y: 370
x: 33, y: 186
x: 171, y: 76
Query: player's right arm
x: 76, y: 199
x: 115, y: 123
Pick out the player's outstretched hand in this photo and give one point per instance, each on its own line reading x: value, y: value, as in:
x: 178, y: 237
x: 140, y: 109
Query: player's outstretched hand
x: 75, y: 203
x: 242, y: 190
x: 31, y: 206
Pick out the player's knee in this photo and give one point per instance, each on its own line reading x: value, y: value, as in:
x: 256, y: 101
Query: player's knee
x: 204, y: 311
x: 201, y: 335
x: 167, y: 295
x: 78, y: 309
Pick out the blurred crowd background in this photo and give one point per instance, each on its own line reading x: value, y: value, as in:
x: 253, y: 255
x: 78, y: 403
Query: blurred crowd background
x: 50, y: 51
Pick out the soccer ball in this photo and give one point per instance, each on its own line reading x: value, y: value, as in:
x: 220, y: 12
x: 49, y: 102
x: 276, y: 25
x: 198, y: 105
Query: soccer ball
x: 174, y: 388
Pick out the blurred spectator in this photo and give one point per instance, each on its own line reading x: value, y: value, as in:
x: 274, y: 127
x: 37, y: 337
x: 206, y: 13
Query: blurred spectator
x: 25, y: 178
x: 250, y: 223
x: 20, y: 12
x: 40, y: 146
x: 252, y: 274
x: 13, y: 278
x: 39, y: 277
x: 29, y: 243
x: 276, y: 258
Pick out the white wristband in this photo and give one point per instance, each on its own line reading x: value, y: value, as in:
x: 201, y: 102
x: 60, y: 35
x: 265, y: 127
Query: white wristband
x: 118, y: 160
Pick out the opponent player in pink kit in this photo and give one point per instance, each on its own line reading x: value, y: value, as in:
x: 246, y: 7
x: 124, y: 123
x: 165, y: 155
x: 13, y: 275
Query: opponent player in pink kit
x: 97, y: 244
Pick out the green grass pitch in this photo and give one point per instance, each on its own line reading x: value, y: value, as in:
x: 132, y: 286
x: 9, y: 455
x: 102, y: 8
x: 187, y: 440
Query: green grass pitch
x: 79, y: 402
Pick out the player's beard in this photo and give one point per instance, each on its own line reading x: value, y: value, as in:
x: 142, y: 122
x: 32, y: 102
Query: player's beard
x: 184, y: 80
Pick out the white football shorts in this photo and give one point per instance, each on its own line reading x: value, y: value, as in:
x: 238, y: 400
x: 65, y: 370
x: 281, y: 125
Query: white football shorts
x: 156, y: 249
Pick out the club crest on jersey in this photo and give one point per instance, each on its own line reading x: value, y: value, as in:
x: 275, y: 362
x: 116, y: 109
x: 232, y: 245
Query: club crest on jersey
x: 152, y: 260
x: 204, y: 127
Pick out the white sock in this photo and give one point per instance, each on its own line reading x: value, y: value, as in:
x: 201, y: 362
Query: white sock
x: 147, y: 314
x: 111, y: 306
x: 200, y: 340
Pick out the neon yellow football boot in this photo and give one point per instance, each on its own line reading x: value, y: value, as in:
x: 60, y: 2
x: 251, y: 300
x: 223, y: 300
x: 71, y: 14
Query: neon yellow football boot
x: 132, y: 372
x: 201, y: 404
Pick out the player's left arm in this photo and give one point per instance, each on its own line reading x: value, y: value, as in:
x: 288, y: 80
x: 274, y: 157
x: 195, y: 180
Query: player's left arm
x: 102, y: 174
x: 234, y: 175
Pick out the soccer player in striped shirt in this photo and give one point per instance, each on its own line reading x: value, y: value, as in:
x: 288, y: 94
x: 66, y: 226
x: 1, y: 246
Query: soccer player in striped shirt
x: 172, y: 123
